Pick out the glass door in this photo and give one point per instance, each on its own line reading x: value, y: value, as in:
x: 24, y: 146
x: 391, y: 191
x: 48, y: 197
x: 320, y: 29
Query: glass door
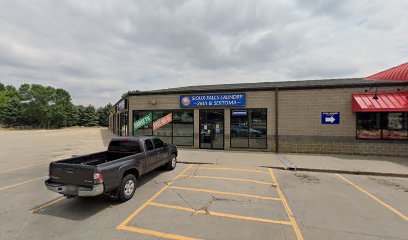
x: 212, y: 129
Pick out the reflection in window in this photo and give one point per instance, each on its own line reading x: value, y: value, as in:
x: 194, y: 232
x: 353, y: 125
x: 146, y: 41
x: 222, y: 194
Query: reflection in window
x: 145, y: 130
x: 395, y: 126
x: 248, y: 128
x: 382, y: 126
x: 183, y: 127
x: 180, y: 131
x: 165, y: 132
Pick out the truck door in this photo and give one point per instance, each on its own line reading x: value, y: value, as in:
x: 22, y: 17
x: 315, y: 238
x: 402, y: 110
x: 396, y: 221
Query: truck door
x: 161, y: 151
x: 150, y: 154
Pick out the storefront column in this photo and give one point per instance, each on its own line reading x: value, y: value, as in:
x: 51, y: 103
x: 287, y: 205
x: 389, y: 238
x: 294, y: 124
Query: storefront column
x: 227, y: 129
x: 196, y: 128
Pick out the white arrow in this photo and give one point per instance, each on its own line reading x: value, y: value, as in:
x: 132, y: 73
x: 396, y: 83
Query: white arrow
x: 330, y: 119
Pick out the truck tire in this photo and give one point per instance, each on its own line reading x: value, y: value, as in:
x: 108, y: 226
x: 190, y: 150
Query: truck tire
x: 127, y: 188
x: 172, y: 163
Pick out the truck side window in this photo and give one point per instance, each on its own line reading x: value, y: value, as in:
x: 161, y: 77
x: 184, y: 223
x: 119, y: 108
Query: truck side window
x: 158, y: 143
x: 131, y: 146
x: 149, y: 145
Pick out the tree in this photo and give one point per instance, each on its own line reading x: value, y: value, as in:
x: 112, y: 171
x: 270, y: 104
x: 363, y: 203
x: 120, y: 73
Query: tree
x: 11, y: 116
x: 103, y: 115
x: 6, y: 94
x: 35, y: 105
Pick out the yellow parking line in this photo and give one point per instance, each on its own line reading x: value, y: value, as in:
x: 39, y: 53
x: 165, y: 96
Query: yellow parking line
x: 234, y: 169
x: 18, y: 184
x: 229, y: 179
x: 218, y: 214
x: 35, y: 210
x: 127, y: 220
x: 285, y: 203
x: 405, y: 217
x: 155, y: 233
x: 226, y: 193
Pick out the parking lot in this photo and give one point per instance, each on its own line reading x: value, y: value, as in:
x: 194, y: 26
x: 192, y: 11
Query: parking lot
x: 237, y: 196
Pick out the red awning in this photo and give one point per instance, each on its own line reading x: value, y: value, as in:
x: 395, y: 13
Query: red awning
x: 398, y: 73
x: 380, y: 102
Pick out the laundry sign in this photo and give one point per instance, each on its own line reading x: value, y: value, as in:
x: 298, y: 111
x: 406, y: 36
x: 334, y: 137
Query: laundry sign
x: 142, y: 122
x: 213, y: 100
x: 162, y: 121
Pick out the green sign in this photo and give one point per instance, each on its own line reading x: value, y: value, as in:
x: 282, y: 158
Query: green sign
x: 142, y: 122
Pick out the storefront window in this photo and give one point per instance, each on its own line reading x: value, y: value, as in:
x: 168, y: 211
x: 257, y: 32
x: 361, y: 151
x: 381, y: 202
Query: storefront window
x: 123, y: 124
x: 183, y: 127
x: 248, y: 128
x: 165, y: 133
x: 395, y: 126
x: 145, y: 130
x: 180, y: 131
x: 382, y: 126
x: 369, y: 125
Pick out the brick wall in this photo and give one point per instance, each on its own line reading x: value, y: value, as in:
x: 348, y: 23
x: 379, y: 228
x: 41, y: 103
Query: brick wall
x: 300, y: 128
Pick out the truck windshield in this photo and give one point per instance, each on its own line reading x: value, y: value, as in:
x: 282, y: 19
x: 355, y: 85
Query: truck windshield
x: 125, y: 146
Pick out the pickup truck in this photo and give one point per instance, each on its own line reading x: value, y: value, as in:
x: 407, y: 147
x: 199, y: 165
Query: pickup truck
x: 113, y: 172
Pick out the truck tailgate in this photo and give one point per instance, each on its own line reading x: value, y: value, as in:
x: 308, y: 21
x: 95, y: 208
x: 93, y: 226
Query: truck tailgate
x: 72, y: 174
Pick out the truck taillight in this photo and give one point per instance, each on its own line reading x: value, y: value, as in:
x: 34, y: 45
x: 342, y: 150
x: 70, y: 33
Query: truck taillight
x: 98, y: 178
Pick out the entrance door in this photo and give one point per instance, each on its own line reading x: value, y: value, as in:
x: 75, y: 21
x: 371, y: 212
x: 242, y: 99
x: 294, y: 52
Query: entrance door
x: 212, y: 129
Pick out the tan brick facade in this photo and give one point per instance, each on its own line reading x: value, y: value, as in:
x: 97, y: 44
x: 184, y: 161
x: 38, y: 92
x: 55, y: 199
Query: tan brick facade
x: 300, y: 128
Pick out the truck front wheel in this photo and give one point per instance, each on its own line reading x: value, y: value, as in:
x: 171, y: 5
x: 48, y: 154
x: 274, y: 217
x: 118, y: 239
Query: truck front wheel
x: 172, y: 163
x: 127, y: 188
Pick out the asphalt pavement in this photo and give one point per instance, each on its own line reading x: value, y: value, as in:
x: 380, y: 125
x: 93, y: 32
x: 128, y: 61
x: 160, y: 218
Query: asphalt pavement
x: 235, y: 195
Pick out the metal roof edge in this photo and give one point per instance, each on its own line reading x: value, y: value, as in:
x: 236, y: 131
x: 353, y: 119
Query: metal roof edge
x: 363, y: 83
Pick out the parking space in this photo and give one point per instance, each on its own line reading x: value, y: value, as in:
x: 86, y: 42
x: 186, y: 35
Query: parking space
x: 328, y: 207
x: 214, y: 196
x: 227, y: 199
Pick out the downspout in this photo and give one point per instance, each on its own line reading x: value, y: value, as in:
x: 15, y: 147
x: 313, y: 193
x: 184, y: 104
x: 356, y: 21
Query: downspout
x: 276, y: 121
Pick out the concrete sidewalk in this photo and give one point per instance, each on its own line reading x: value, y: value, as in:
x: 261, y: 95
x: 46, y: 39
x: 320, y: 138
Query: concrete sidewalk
x: 370, y: 165
x: 353, y: 164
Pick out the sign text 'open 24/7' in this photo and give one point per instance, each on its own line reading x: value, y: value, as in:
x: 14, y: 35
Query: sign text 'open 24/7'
x: 213, y: 100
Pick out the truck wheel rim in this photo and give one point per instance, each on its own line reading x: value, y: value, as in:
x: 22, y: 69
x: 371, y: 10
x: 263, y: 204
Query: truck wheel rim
x: 173, y: 162
x: 129, y: 187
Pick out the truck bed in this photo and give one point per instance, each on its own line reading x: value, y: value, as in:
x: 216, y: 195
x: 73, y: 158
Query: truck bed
x: 95, y: 158
x: 80, y: 170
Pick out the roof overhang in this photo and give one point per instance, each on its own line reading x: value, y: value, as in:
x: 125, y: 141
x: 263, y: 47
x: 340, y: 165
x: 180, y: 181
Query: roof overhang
x: 380, y: 102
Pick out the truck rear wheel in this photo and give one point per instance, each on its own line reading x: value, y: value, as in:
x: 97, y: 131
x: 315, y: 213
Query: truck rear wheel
x: 172, y: 163
x: 127, y: 188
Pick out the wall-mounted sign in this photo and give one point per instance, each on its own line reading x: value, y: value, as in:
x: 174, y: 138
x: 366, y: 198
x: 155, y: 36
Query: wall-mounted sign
x: 213, y: 100
x: 239, y: 113
x: 330, y: 118
x: 162, y: 121
x: 142, y: 122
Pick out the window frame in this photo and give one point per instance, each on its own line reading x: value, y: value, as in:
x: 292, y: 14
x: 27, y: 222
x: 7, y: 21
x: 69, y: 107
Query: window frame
x: 158, y: 139
x: 144, y: 142
x: 383, y: 118
x: 172, y: 123
x: 249, y: 135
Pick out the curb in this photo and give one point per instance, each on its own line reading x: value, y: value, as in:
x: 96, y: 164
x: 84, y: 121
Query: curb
x: 400, y: 175
x: 198, y: 163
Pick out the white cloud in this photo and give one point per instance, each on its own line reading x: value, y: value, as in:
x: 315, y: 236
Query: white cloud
x: 98, y: 50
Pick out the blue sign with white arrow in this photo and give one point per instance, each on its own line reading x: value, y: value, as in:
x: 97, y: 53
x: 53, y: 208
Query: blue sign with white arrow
x: 330, y: 118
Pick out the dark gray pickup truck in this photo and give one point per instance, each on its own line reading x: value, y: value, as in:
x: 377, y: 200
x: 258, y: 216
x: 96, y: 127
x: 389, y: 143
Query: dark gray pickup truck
x: 113, y: 172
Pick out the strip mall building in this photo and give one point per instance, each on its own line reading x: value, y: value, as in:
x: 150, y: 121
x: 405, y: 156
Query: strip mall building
x: 341, y: 116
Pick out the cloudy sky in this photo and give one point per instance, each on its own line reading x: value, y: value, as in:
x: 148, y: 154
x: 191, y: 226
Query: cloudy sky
x: 99, y: 49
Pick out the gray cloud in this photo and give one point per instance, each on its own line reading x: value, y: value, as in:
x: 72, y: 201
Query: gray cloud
x: 100, y: 49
